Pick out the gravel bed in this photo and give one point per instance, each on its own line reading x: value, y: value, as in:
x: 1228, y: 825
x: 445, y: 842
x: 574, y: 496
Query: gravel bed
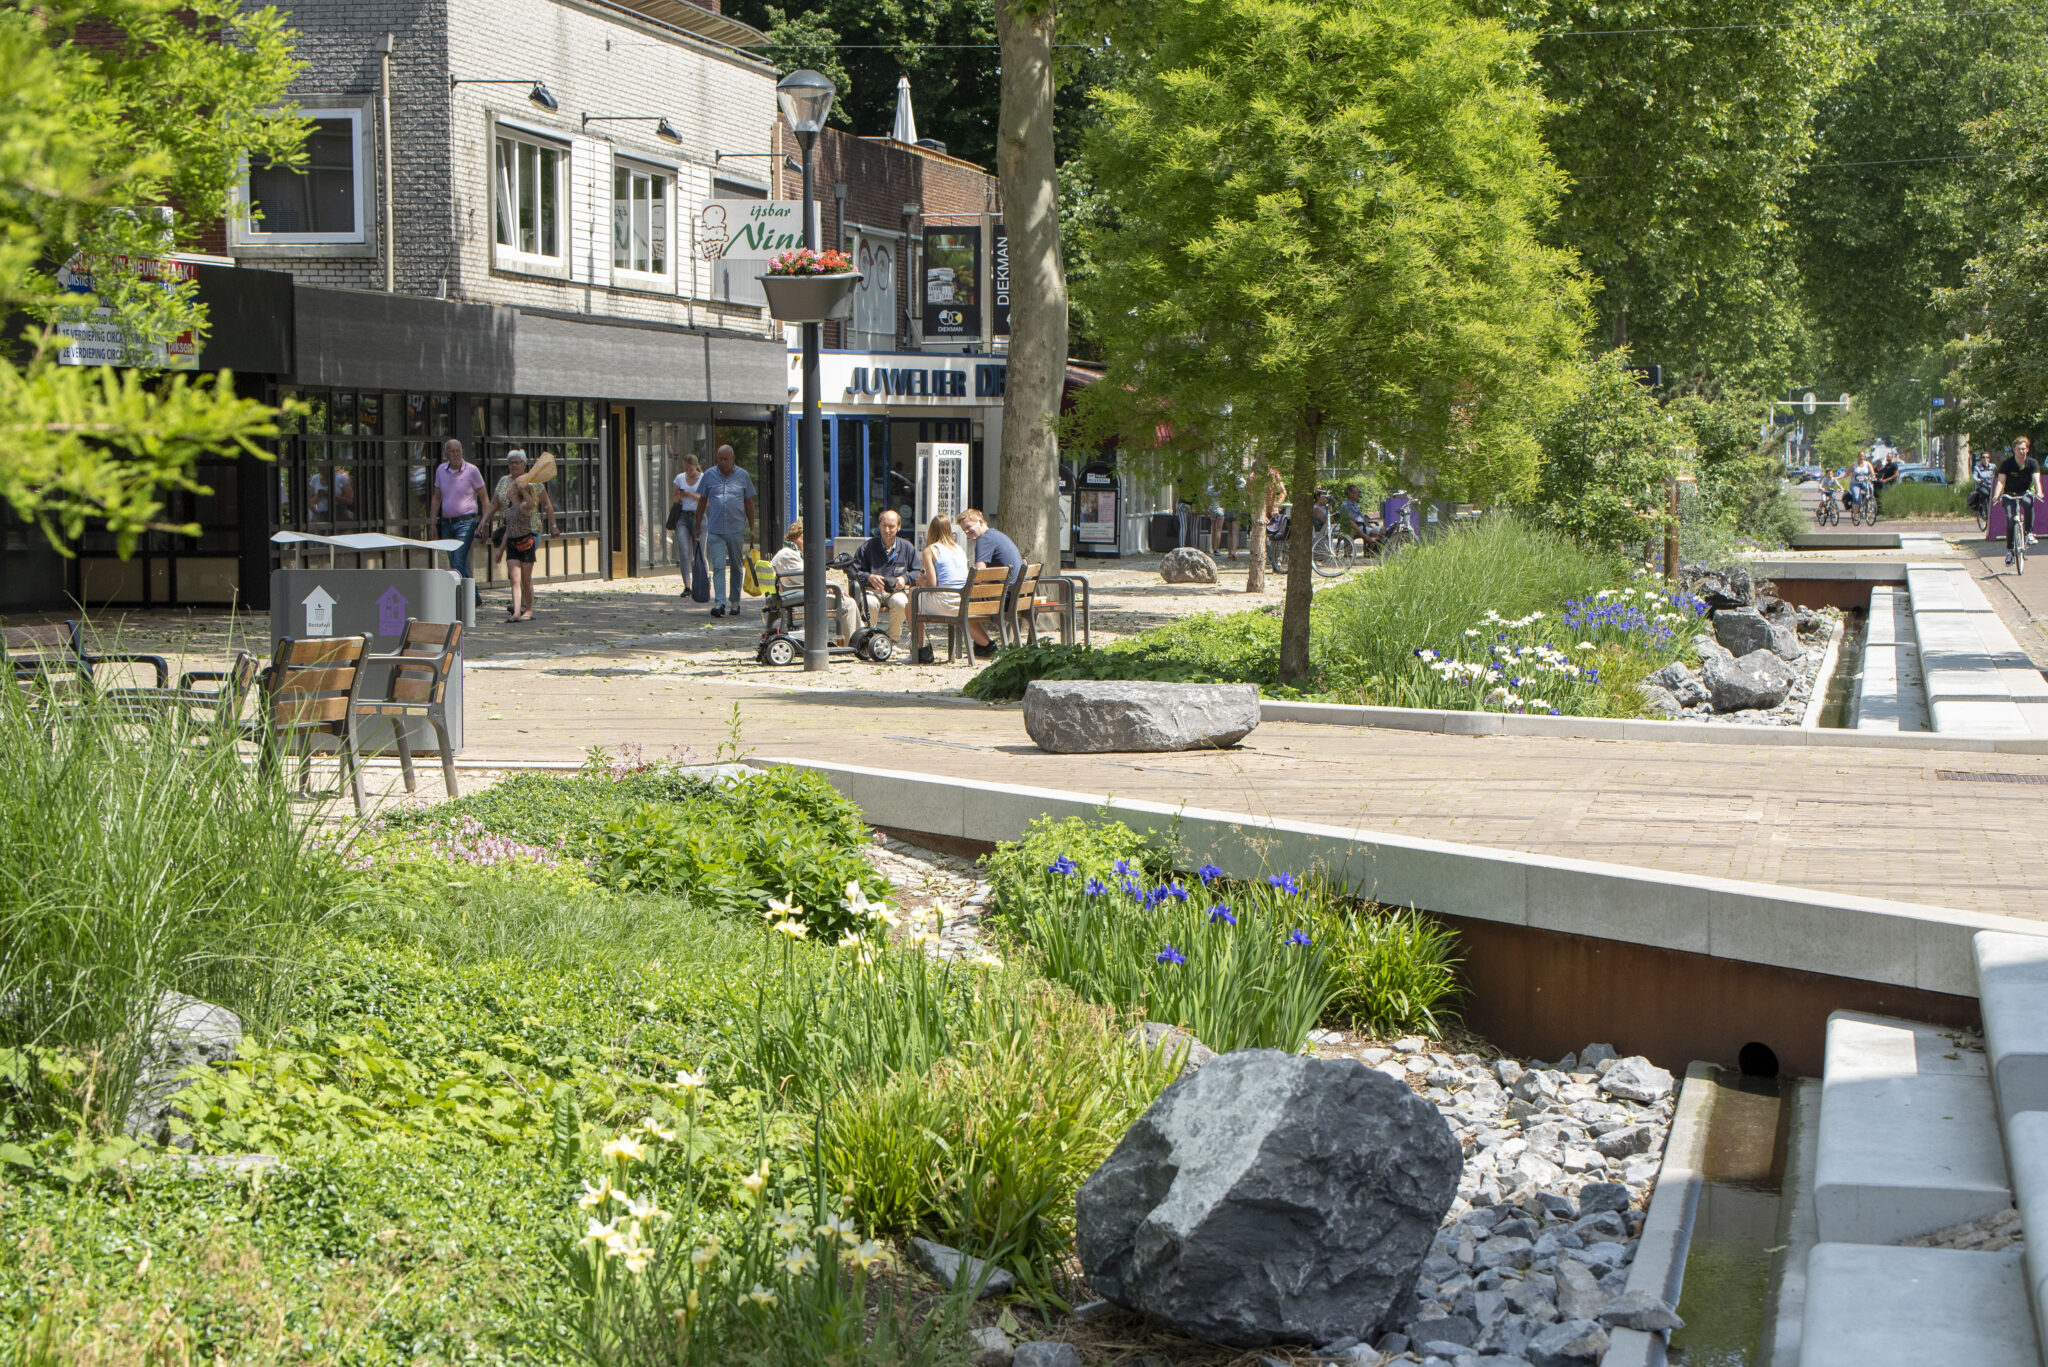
x: 1986, y: 1235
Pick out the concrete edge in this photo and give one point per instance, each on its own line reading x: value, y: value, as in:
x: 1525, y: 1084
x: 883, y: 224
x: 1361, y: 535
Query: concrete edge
x: 1898, y: 943
x: 1659, y: 1268
x: 1450, y: 723
x: 1798, y: 1231
x: 1829, y: 658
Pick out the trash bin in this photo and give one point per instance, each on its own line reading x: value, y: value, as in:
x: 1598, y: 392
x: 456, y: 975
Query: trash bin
x: 312, y: 601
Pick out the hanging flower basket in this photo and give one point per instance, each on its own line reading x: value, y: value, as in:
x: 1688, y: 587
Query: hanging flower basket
x: 804, y: 286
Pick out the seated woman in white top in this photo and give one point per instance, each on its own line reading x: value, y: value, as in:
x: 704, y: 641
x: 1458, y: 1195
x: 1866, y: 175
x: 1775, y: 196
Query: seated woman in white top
x: 945, y: 564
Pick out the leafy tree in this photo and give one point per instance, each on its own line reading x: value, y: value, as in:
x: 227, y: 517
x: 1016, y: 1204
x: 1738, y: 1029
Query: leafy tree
x: 1889, y: 212
x: 1324, y: 232
x: 1844, y: 439
x: 117, y: 149
x: 1608, y: 458
x: 1682, y: 125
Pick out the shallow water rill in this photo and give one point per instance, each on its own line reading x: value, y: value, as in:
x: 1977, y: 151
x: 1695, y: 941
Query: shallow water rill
x: 1728, y: 1263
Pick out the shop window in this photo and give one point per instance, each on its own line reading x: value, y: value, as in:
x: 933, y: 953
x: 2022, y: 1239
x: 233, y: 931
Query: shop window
x: 640, y: 201
x: 320, y: 201
x: 527, y: 178
x: 873, y: 325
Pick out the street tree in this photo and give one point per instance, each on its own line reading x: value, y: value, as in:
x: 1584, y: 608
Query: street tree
x: 1325, y: 236
x: 122, y: 127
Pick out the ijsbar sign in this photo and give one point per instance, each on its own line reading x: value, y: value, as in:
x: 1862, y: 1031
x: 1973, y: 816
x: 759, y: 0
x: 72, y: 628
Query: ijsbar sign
x: 952, y: 282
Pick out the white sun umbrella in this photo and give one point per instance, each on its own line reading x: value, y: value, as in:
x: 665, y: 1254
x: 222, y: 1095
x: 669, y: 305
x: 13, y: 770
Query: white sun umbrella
x: 906, y: 122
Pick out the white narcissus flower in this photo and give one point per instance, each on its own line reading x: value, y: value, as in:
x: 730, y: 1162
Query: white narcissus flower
x: 704, y: 1255
x: 687, y: 1082
x: 760, y: 1296
x: 598, y: 1232
x: 799, y: 1260
x: 793, y: 929
x: 833, y: 1225
x: 786, y: 1224
x: 647, y: 1210
x: 596, y: 1196
x: 867, y: 1253
x: 781, y: 908
x: 654, y: 1131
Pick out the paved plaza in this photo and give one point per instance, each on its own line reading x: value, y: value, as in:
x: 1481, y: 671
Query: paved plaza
x: 617, y: 665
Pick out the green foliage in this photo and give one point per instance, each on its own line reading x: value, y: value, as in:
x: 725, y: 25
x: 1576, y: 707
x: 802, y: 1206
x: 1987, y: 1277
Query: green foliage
x: 1842, y: 441
x: 1396, y: 971
x: 137, y: 859
x: 157, y: 107
x: 1927, y: 500
x: 1682, y: 135
x: 1238, y: 647
x: 1608, y: 458
x: 1093, y: 847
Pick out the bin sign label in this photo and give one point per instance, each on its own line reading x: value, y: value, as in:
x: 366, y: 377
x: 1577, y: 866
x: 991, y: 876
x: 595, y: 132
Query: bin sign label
x: 319, y: 613
x: 391, y: 607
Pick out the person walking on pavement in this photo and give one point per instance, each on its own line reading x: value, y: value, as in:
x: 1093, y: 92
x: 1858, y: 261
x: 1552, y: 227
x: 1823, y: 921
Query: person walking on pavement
x: 520, y: 545
x: 687, y: 522
x: 728, y: 510
x: 2019, y: 476
x: 459, y: 505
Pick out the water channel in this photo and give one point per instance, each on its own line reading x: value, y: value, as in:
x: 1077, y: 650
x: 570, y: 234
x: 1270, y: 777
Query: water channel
x: 1727, y: 1291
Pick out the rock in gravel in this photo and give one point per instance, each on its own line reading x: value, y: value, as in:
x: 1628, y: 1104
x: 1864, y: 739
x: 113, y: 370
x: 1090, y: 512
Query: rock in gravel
x: 1729, y: 588
x: 1686, y: 689
x: 184, y: 1032
x: 1758, y: 679
x: 989, y: 1347
x: 1742, y: 630
x: 1270, y: 1198
x: 1579, y: 1296
x: 1626, y: 1141
x: 1568, y: 1343
x: 1640, y: 1310
x: 1458, y: 1330
x: 1186, y: 565
x: 1596, y: 1197
x: 1045, y: 1353
x: 1637, y: 1079
x: 1085, y: 717
x: 1593, y: 1055
x: 952, y: 1267
x: 1173, y: 1041
x: 1659, y: 700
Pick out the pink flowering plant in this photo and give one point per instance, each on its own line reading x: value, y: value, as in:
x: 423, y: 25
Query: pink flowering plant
x: 804, y: 261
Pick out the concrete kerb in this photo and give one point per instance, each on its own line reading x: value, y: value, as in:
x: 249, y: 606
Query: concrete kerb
x: 1896, y: 943
x: 1659, y: 1268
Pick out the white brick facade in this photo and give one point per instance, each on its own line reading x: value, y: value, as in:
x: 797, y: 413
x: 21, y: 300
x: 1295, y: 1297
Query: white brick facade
x: 595, y: 59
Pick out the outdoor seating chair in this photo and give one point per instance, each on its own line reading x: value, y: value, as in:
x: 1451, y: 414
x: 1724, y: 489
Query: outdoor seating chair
x: 309, y: 690
x: 216, y: 695
x: 1064, y: 598
x: 982, y: 598
x: 427, y: 654
x: 39, y: 655
x: 1020, y: 615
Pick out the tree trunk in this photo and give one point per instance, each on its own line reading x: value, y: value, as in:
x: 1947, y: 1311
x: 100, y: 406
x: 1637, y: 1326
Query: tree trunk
x: 1301, y: 574
x: 1255, y: 505
x: 1029, y: 490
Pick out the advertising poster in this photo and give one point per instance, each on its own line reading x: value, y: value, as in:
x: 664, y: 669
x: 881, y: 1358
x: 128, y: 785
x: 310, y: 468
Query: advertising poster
x: 999, y: 282
x: 952, y: 282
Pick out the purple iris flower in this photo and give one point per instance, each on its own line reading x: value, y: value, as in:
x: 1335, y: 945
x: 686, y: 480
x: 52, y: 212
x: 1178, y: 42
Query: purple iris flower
x: 1063, y: 866
x: 1170, y: 955
x: 1284, y: 881
x: 1208, y: 873
x: 1221, y: 913
x: 1299, y: 937
x: 1096, y: 887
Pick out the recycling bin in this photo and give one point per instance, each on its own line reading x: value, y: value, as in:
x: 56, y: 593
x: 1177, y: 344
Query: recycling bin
x: 307, y: 601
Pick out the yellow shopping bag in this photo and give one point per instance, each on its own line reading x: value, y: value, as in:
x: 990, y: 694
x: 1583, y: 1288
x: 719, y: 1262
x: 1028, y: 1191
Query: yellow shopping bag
x: 758, y: 577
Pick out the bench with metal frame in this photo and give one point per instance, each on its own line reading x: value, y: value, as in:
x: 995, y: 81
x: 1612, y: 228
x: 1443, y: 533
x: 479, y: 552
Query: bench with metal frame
x: 309, y: 689
x: 982, y: 598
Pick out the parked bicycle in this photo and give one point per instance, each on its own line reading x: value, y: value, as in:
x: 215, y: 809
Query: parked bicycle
x: 1328, y: 556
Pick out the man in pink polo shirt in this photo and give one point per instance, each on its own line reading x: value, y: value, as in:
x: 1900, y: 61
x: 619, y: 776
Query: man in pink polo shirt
x: 460, y: 503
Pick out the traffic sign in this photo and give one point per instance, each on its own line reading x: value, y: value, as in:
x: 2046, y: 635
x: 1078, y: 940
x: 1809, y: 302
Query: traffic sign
x: 1807, y: 403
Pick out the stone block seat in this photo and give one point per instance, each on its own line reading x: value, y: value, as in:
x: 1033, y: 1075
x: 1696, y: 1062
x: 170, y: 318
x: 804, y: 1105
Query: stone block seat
x: 1909, y: 1139
x: 2012, y: 992
x: 1870, y: 1306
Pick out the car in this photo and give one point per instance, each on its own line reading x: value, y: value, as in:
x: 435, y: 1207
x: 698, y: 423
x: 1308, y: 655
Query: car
x: 1921, y: 474
x: 1805, y: 474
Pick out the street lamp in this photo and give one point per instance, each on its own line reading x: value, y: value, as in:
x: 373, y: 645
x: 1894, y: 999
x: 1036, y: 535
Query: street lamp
x: 806, y: 100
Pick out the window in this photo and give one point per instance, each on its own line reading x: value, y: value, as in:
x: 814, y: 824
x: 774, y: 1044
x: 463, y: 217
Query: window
x: 319, y: 201
x: 873, y: 325
x: 528, y: 197
x: 639, y: 220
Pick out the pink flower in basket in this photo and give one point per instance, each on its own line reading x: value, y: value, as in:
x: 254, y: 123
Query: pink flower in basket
x: 804, y: 261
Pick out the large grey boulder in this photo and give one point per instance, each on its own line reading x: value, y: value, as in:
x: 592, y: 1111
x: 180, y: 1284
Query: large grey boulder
x: 1270, y: 1198
x: 184, y: 1033
x: 1094, y: 717
x: 1659, y: 700
x: 1186, y: 565
x: 1681, y: 683
x: 1730, y: 588
x: 1743, y: 630
x: 1758, y: 679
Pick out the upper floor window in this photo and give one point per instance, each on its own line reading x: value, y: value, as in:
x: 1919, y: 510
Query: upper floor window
x: 640, y: 207
x: 321, y: 200
x: 527, y: 197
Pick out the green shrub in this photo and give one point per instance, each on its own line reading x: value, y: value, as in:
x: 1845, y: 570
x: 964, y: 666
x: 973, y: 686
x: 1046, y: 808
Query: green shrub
x: 1238, y: 647
x: 134, y: 859
x: 1395, y: 971
x: 1924, y: 500
x: 1092, y: 846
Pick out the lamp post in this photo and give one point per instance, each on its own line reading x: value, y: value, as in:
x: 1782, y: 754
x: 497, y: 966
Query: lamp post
x: 806, y: 99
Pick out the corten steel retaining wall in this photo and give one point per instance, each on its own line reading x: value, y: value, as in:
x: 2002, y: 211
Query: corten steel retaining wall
x: 1559, y: 952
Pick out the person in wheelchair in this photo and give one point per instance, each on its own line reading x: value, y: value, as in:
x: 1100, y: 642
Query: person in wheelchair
x: 783, y: 608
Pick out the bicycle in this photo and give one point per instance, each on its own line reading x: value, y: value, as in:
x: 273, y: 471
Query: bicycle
x: 2017, y: 506
x: 1827, y: 512
x: 1328, y: 556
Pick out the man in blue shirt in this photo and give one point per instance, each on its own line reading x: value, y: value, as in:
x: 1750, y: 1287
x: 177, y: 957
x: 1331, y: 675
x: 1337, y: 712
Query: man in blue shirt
x: 991, y: 547
x: 727, y: 499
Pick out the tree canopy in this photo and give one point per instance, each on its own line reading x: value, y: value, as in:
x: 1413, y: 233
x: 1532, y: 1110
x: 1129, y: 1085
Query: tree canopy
x: 1323, y: 229
x: 118, y: 149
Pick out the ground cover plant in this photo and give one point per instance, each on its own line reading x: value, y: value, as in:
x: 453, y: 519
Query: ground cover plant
x: 1503, y: 615
x: 1927, y: 500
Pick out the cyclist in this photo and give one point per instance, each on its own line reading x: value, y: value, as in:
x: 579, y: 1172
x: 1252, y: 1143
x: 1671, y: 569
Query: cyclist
x: 1982, y: 475
x: 1830, y: 488
x: 1352, y: 512
x: 1887, y: 475
x: 2019, y: 476
x: 1861, y: 477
